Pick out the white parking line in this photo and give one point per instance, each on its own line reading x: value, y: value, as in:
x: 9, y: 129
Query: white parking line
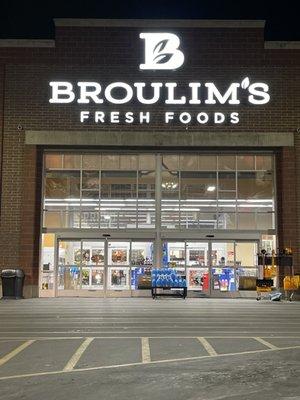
x: 265, y: 343
x: 14, y: 352
x: 77, y: 355
x: 208, y: 347
x: 145, y: 350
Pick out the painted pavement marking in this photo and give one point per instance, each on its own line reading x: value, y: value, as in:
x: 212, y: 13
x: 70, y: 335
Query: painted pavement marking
x: 146, y: 358
x: 19, y: 338
x: 265, y: 343
x: 16, y: 351
x: 77, y: 355
x: 208, y: 347
x: 141, y: 363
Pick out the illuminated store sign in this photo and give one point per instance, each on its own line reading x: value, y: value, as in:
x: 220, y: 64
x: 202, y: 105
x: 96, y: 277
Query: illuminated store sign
x: 161, y: 52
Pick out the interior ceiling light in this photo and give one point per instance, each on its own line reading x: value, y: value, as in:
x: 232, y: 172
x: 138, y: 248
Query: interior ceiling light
x: 211, y: 188
x: 169, y: 185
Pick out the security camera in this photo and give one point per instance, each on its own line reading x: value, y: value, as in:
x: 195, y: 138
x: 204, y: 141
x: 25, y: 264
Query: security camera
x: 19, y: 127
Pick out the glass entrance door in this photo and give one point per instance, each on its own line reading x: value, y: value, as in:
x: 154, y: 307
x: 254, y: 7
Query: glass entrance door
x: 197, y: 265
x: 81, y: 268
x: 118, y: 268
x: 98, y: 268
x: 223, y: 271
x: 216, y: 268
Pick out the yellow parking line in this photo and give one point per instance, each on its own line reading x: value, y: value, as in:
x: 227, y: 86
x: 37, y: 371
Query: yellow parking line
x: 14, y: 352
x: 115, y: 366
x: 77, y: 355
x: 145, y: 350
x: 265, y: 343
x: 208, y: 347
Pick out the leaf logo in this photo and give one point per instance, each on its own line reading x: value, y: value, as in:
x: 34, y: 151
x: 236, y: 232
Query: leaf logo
x: 245, y: 83
x: 160, y: 57
x: 161, y: 51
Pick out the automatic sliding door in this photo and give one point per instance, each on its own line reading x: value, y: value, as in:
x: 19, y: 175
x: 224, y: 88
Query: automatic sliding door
x: 246, y: 265
x: 80, y: 268
x: 197, y: 261
x: 118, y: 269
x: 141, y: 266
x: 69, y: 267
x: 93, y: 260
x: 223, y: 277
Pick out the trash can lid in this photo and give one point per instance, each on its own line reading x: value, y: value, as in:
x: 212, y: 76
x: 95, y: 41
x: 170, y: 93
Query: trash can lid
x: 12, y: 273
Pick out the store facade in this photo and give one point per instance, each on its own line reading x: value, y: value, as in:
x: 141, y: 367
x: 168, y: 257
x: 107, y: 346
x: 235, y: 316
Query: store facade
x: 128, y: 145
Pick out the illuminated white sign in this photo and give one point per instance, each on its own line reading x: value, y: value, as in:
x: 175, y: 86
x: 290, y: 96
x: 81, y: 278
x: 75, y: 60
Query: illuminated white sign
x: 161, y: 51
x: 123, y: 93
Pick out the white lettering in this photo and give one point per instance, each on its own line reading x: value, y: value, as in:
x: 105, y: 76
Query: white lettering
x: 129, y: 117
x: 219, y: 118
x: 213, y: 91
x: 195, y: 93
x: 99, y: 116
x: 169, y: 116
x: 118, y: 85
x: 202, y: 118
x: 185, y: 118
x: 144, y: 117
x: 62, y: 92
x: 171, y: 100
x: 234, y: 118
x: 84, y: 115
x: 140, y: 95
x: 86, y: 95
x: 115, y: 117
x: 259, y: 90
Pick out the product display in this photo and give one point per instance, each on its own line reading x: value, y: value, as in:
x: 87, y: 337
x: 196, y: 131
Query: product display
x: 167, y: 277
x: 141, y: 278
x: 118, y: 278
x: 97, y: 256
x: 119, y: 256
x: 198, y: 279
x: 223, y: 279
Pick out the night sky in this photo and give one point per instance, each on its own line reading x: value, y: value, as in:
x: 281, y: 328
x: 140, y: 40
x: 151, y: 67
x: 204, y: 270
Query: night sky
x: 34, y: 19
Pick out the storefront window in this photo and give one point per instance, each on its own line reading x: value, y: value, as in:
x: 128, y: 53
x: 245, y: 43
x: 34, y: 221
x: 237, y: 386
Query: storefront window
x: 245, y: 162
x: 226, y: 162
x: 111, y: 191
x: 72, y: 161
x: 91, y: 162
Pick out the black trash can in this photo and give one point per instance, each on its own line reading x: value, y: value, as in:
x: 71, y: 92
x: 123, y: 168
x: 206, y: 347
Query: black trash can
x: 12, y: 283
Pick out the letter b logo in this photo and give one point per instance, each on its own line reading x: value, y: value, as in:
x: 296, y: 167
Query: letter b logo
x: 161, y: 51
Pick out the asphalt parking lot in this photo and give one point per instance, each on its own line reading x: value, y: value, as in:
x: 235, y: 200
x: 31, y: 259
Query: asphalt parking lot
x: 142, y: 349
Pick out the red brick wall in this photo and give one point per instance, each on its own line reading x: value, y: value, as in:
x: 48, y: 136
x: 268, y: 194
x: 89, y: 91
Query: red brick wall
x: 30, y: 218
x: 287, y: 211
x: 112, y: 54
